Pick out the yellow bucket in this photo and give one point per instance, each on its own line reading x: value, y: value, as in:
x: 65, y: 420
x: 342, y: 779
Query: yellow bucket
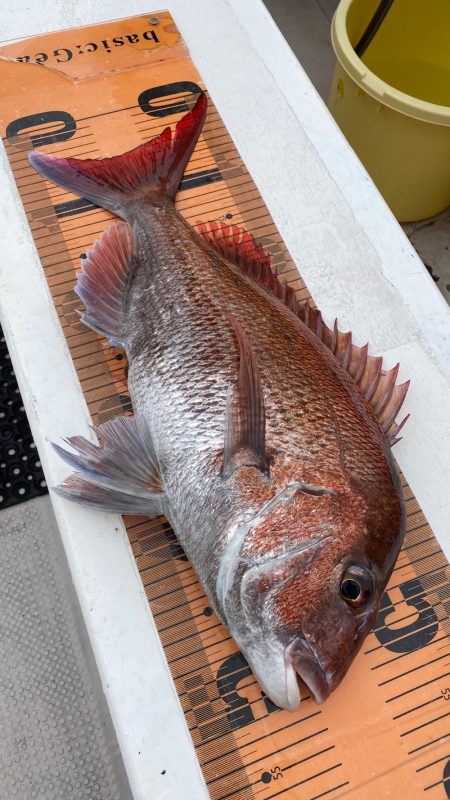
x: 393, y: 103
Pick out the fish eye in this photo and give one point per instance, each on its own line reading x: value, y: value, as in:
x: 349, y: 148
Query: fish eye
x: 356, y: 586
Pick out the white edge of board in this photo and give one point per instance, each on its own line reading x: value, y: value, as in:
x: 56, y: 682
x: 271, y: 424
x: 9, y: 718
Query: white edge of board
x: 151, y: 729
x: 307, y: 173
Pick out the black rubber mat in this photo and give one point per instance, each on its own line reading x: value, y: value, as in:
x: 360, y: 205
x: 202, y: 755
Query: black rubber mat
x: 21, y: 475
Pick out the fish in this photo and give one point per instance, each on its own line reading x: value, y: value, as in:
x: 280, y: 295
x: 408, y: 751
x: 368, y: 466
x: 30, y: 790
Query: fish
x: 263, y: 435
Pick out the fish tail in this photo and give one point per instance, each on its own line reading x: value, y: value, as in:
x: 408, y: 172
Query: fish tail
x: 114, y: 183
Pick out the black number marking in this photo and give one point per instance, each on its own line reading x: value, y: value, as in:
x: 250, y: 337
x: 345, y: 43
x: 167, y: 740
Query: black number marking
x: 276, y: 773
x: 200, y: 704
x: 233, y: 670
x: 271, y: 707
x: 175, y: 547
x: 67, y: 130
x: 147, y: 97
x: 446, y: 779
x: 411, y: 636
x: 176, y: 106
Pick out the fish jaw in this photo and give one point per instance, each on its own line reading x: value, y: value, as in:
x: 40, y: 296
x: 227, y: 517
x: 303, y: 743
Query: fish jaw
x: 276, y: 680
x: 301, y: 662
x: 278, y: 669
x: 252, y: 622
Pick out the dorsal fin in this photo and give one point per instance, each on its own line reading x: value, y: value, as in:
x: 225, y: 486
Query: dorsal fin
x: 245, y: 424
x: 101, y: 282
x: 377, y: 385
x: 235, y: 244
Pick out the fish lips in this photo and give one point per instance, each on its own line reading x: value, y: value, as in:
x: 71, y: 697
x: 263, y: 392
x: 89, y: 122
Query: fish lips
x: 301, y: 662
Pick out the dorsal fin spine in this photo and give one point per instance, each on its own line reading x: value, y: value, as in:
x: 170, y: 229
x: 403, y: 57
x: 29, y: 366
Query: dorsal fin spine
x: 348, y: 353
x: 376, y: 377
x: 391, y: 378
x: 364, y: 351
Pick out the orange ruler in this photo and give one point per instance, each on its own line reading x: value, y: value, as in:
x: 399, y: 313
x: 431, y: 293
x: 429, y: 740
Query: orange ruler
x: 99, y: 91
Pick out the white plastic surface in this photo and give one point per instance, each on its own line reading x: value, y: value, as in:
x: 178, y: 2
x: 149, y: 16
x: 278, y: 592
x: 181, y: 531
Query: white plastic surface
x: 354, y: 258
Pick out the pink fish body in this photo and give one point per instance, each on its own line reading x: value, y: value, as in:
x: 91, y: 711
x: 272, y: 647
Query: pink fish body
x: 261, y: 434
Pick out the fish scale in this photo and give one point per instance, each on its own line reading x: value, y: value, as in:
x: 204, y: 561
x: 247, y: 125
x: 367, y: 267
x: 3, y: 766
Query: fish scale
x: 247, y: 748
x: 291, y: 388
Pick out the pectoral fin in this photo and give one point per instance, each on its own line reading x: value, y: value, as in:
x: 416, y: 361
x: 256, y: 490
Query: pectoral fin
x: 245, y: 413
x: 123, y: 475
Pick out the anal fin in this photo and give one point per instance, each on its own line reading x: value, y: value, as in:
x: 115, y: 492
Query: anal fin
x: 90, y: 495
x: 122, y: 475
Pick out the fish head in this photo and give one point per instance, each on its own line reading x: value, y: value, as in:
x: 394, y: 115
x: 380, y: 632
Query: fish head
x: 302, y: 583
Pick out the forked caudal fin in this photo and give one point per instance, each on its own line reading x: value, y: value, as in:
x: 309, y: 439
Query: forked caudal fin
x: 377, y: 385
x: 113, y: 182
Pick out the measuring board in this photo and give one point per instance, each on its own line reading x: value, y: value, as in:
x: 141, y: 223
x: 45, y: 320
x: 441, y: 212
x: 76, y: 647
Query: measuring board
x: 99, y: 91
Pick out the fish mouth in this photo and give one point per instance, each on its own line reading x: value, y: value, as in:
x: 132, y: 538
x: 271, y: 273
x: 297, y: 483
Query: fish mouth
x: 301, y: 662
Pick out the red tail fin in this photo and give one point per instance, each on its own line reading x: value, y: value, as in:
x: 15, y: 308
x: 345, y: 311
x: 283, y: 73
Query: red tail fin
x: 113, y: 182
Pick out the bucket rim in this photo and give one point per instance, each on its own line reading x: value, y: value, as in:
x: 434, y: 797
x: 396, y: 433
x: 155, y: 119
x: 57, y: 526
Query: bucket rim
x: 374, y: 86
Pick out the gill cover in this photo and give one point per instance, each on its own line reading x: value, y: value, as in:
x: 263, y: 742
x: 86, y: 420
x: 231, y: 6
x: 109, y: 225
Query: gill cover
x: 247, y: 589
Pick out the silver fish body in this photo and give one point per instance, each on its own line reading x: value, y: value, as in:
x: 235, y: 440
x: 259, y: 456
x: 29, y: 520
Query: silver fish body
x: 267, y: 434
